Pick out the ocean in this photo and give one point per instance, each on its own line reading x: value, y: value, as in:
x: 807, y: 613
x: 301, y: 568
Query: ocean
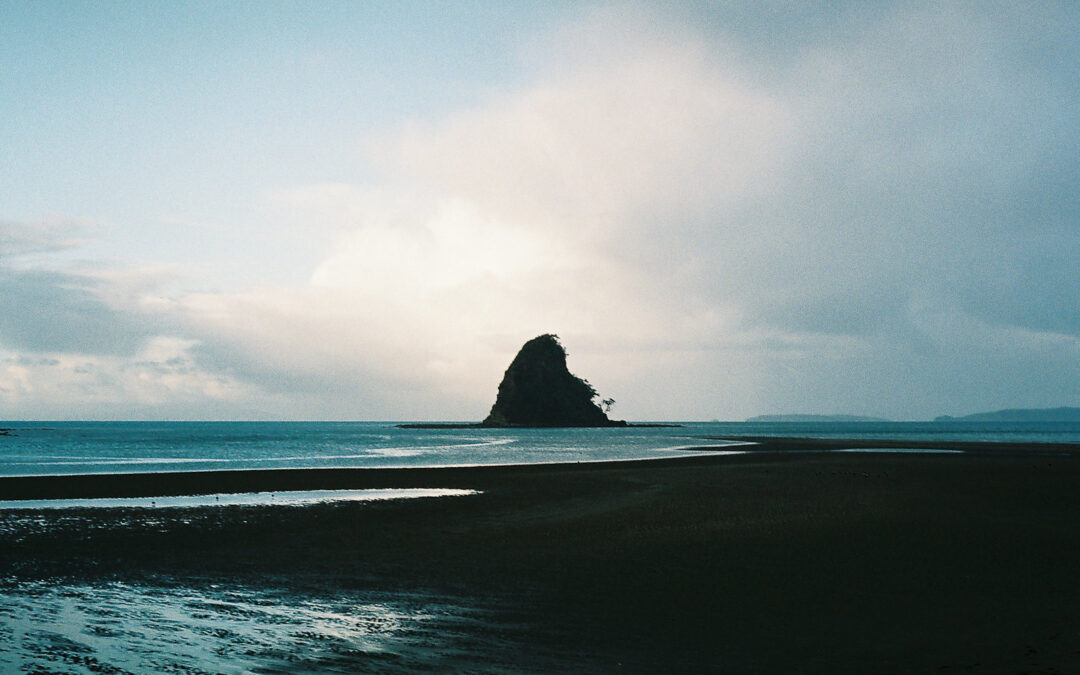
x: 49, y: 448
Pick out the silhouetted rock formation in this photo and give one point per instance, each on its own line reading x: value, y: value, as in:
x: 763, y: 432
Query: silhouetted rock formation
x: 538, y: 391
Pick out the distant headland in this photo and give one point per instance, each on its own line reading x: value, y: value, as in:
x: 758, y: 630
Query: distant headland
x: 538, y: 390
x: 1019, y: 415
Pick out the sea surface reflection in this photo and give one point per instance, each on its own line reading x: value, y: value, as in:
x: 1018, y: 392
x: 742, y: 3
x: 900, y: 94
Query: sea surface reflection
x: 172, y: 627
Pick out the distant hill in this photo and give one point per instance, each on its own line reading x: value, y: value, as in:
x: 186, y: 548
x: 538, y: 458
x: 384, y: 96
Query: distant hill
x: 1019, y: 415
x: 815, y: 418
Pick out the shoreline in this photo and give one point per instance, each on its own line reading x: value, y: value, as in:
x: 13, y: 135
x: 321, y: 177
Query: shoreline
x: 213, y: 481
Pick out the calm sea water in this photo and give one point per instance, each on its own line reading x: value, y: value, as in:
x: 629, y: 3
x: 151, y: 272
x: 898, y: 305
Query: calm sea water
x: 120, y: 447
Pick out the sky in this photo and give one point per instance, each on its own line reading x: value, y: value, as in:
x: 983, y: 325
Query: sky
x: 360, y: 211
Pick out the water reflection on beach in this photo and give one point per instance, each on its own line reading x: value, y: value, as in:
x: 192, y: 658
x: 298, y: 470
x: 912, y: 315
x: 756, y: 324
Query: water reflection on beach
x: 280, y: 498
x: 173, y: 627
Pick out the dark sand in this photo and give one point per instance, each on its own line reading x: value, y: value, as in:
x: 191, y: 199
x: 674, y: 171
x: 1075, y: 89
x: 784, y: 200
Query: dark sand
x: 777, y: 562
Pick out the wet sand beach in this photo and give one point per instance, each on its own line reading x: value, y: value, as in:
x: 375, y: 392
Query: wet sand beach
x: 771, y: 562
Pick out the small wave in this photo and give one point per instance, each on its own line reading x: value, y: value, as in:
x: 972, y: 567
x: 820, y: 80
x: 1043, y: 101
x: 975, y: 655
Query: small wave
x: 698, y: 448
x: 472, y: 443
x: 480, y: 443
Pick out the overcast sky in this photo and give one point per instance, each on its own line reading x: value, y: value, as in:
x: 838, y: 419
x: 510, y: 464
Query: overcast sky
x: 362, y: 210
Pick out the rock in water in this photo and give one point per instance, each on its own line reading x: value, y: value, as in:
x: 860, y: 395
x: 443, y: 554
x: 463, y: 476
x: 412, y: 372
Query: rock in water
x: 538, y: 391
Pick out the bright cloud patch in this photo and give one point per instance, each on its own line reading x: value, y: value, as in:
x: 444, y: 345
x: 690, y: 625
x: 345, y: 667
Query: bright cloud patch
x: 159, y: 381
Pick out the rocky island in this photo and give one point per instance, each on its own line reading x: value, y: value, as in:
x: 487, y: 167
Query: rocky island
x: 538, y: 390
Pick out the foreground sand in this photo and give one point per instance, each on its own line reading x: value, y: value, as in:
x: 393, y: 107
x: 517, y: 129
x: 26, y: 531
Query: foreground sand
x: 760, y: 563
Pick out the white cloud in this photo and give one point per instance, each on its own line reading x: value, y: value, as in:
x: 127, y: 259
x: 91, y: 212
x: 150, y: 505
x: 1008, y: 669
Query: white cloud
x: 160, y: 381
x: 454, y: 246
x: 610, y: 137
x: 22, y: 239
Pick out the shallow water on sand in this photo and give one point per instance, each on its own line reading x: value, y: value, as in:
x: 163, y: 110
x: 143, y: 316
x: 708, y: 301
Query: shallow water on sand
x: 168, y: 627
x: 286, y: 498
